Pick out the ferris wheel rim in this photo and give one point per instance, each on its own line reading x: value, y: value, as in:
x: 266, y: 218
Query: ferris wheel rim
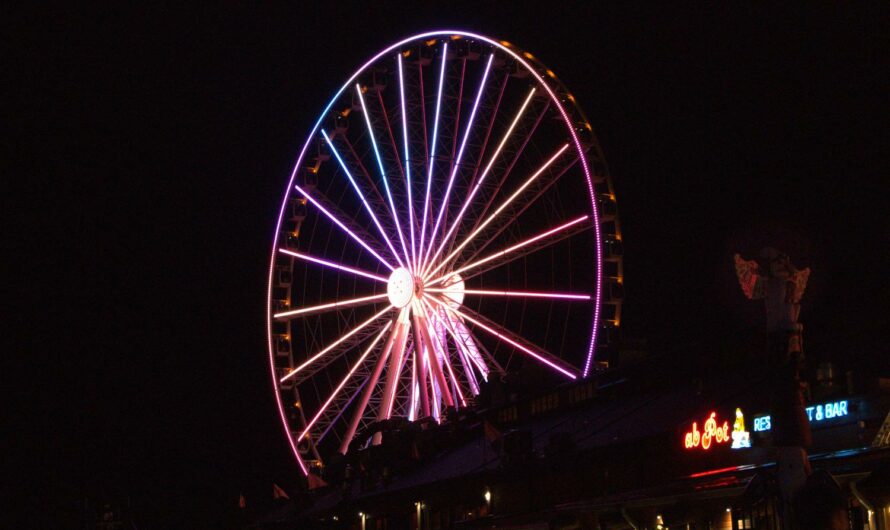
x: 539, y: 81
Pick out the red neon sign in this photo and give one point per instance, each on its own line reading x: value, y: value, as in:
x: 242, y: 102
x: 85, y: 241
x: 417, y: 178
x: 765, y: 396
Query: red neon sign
x: 710, y: 434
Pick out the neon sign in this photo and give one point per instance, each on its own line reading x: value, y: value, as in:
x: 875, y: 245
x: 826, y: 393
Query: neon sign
x: 741, y: 439
x: 815, y: 413
x: 710, y: 434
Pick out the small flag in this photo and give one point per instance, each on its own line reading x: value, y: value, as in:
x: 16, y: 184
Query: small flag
x: 242, y: 502
x: 315, y: 481
x: 491, y: 433
x: 278, y: 493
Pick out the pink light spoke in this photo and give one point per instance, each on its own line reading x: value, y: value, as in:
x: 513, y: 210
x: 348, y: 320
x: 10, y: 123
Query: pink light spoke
x: 345, y: 380
x: 332, y: 265
x: 460, y: 154
x: 334, y: 344
x: 429, y: 177
x: 511, y: 249
x: 407, y: 164
x: 501, y: 208
x: 529, y: 294
x: 343, y: 227
x: 332, y: 305
x: 392, y: 205
x: 395, y: 366
x: 508, y: 340
x: 361, y: 196
x: 458, y: 340
x: 485, y: 171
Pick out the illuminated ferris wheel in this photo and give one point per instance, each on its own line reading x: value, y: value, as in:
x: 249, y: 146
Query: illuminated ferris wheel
x: 449, y: 220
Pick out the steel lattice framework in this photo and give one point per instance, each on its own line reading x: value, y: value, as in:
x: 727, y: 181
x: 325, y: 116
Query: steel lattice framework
x: 450, y: 219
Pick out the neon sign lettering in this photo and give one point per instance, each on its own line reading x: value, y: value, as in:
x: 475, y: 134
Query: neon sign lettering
x: 815, y: 413
x: 710, y: 434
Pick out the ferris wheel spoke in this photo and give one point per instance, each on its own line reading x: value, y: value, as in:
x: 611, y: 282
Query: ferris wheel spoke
x: 538, y: 116
x: 361, y: 197
x: 421, y: 327
x: 432, y: 153
x: 441, y: 350
x: 343, y: 227
x: 323, y: 308
x: 460, y: 154
x: 343, y: 382
x: 331, y: 264
x: 359, y: 411
x: 392, y: 205
x: 503, y: 334
x: 463, y: 340
x: 340, y: 341
x: 395, y: 366
x: 407, y: 164
x: 523, y: 294
x: 459, y: 218
x: 497, y: 212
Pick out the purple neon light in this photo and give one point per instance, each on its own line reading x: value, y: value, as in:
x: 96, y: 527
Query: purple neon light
x: 429, y: 177
x: 508, y: 340
x: 407, y: 163
x: 497, y: 212
x: 460, y: 154
x: 362, y: 197
x: 484, y: 174
x: 332, y: 265
x: 392, y: 205
x: 343, y: 227
x: 324, y: 113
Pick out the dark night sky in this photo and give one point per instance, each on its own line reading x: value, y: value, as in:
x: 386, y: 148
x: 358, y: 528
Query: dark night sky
x: 150, y: 150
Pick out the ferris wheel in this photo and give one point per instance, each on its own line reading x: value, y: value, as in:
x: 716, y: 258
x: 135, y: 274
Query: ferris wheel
x: 449, y: 220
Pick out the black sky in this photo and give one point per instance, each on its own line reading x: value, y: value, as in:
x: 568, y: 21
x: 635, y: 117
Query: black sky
x: 149, y: 150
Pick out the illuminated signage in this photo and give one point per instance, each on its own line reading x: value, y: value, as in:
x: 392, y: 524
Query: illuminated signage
x: 815, y: 413
x: 711, y: 433
x: 741, y: 439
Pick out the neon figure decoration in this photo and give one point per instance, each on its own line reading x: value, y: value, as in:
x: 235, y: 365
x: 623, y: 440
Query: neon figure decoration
x: 741, y: 438
x: 441, y: 226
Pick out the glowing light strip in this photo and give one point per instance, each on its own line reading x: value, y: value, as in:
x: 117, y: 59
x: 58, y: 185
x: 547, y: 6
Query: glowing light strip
x: 429, y: 177
x: 361, y: 196
x: 332, y: 265
x: 345, y: 380
x: 413, y: 406
x: 460, y: 341
x: 331, y: 305
x: 488, y: 167
x: 511, y: 249
x: 440, y: 351
x: 343, y: 227
x: 460, y: 154
x: 501, y: 208
x: 324, y: 113
x: 334, y: 344
x: 484, y: 292
x: 407, y: 163
x: 392, y: 205
x: 401, y: 342
x: 508, y: 340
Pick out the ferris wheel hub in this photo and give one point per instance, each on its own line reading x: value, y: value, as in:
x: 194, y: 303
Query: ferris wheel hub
x: 401, y: 287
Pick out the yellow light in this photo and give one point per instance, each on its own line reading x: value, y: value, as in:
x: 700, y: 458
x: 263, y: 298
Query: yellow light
x: 406, y: 53
x: 430, y: 42
x: 505, y: 43
x: 487, y: 496
x: 456, y: 37
x: 550, y: 73
x: 528, y: 55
